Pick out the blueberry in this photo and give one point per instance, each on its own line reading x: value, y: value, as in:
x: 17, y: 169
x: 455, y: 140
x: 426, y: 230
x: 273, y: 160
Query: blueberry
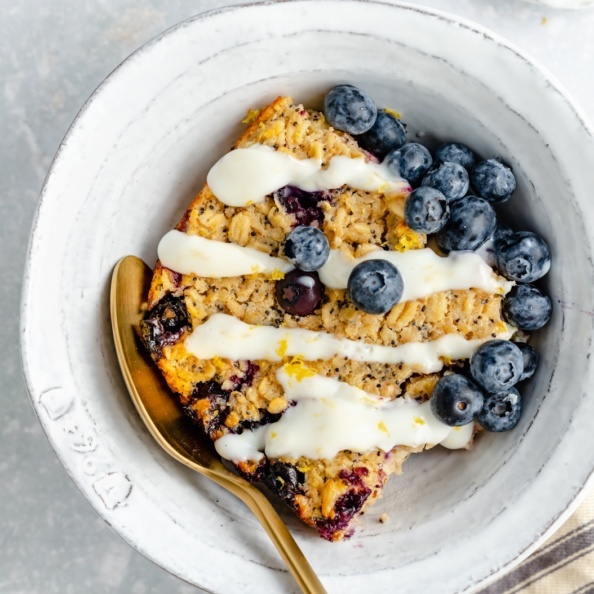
x: 497, y: 365
x: 456, y: 400
x: 426, y: 210
x: 349, y: 109
x: 493, y: 180
x: 502, y: 234
x: 411, y: 162
x: 299, y: 293
x: 307, y: 248
x: 386, y: 134
x: 450, y: 179
x: 501, y: 412
x: 375, y: 286
x: 527, y: 308
x: 282, y: 478
x: 523, y: 257
x: 531, y: 359
x: 472, y: 221
x: 454, y: 152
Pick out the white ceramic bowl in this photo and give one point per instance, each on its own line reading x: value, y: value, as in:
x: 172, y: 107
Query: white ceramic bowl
x: 138, y: 152
x: 566, y: 4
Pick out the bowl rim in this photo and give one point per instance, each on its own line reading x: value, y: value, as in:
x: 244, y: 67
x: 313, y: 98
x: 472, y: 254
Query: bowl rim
x: 28, y: 372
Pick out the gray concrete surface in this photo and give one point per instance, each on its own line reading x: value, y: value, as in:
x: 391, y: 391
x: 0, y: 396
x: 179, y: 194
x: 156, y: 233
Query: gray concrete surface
x: 53, y: 53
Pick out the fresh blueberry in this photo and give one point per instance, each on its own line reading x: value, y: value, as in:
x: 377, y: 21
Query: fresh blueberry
x: 501, y: 412
x: 450, y: 179
x: 502, y: 234
x: 527, y: 308
x: 456, y: 400
x: 454, y: 152
x: 349, y: 109
x: 472, y: 221
x: 426, y: 210
x: 386, y: 134
x: 299, y: 293
x: 307, y: 248
x: 493, y: 180
x: 375, y: 286
x: 531, y: 359
x: 523, y: 257
x: 497, y: 365
x: 411, y: 162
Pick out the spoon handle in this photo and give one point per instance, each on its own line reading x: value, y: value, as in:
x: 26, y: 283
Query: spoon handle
x: 295, y: 560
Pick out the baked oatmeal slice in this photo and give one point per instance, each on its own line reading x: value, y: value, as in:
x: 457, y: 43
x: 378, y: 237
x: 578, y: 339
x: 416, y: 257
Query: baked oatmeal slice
x: 230, y: 397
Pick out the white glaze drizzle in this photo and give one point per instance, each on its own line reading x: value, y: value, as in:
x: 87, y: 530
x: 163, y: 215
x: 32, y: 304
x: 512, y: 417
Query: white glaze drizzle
x: 423, y: 271
x: 192, y: 254
x: 247, y: 175
x: 331, y: 416
x: 227, y: 337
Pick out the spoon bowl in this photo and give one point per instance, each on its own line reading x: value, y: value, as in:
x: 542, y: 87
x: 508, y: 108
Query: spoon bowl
x: 175, y: 432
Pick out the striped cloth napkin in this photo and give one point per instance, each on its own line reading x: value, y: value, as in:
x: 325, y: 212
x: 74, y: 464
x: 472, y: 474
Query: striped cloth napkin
x: 563, y: 565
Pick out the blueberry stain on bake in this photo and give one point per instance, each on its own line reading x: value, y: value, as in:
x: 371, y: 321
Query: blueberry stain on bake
x: 246, y: 377
x: 282, y: 478
x: 306, y: 206
x: 347, y: 506
x: 214, y: 417
x: 164, y: 324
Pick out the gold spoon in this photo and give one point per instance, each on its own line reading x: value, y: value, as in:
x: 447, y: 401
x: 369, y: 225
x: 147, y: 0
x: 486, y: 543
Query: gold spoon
x: 172, y: 430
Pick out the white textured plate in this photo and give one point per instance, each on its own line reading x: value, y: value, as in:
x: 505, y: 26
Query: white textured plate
x: 127, y: 169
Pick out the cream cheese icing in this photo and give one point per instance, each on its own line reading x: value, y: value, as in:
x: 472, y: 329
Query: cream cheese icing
x: 192, y: 254
x: 330, y: 416
x: 247, y: 175
x: 227, y: 337
x: 423, y: 271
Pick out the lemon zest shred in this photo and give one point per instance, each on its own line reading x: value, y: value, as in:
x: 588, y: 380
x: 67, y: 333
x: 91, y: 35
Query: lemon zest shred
x: 408, y: 239
x: 393, y: 112
x: 419, y: 421
x: 382, y: 427
x: 277, y: 275
x: 297, y: 368
x: 283, y: 345
x: 218, y: 363
x: 251, y: 116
